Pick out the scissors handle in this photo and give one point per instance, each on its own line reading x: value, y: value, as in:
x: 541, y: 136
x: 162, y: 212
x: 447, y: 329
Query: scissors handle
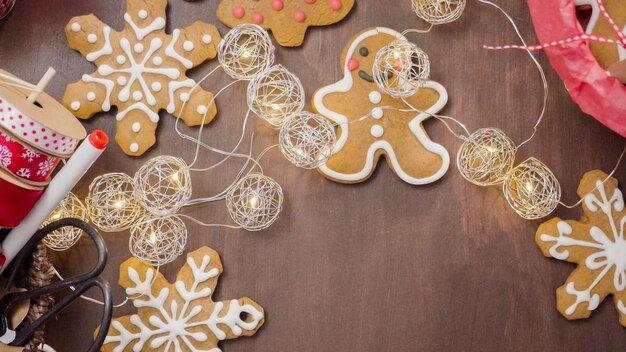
x: 22, y: 336
x: 40, y: 234
x: 77, y: 285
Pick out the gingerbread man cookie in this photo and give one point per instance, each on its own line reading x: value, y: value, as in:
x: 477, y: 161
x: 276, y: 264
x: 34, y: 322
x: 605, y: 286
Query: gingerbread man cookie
x: 181, y: 316
x: 398, y: 136
x: 141, y: 70
x: 596, y: 244
x: 287, y: 19
x: 610, y: 56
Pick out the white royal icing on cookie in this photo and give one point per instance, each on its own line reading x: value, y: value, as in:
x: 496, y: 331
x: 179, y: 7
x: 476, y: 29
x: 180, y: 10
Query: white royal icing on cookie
x: 137, y: 95
x: 136, y: 127
x: 173, y: 87
x: 134, y: 147
x: 377, y: 113
x: 137, y: 70
x: 108, y: 85
x: 75, y: 27
x: 621, y: 307
x: 375, y: 97
x: 91, y: 96
x: 377, y: 131
x: 207, y: 39
x: 138, y: 48
x: 143, y: 14
x: 188, y: 45
x: 169, y: 50
x: 75, y: 105
x: 92, y: 38
x: 345, y: 85
x: 140, y: 33
x: 154, y: 117
x: 106, y: 48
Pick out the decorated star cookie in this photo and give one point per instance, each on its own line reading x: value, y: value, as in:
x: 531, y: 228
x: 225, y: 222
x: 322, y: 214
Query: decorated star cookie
x: 287, y: 19
x: 596, y: 244
x: 608, y: 55
x: 141, y: 70
x: 180, y: 316
x: 398, y: 136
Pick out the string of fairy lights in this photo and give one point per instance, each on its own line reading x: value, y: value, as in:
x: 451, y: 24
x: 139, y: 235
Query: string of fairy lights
x: 148, y: 203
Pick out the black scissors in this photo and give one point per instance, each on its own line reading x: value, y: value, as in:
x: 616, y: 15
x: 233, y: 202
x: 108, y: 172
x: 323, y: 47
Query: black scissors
x: 75, y: 286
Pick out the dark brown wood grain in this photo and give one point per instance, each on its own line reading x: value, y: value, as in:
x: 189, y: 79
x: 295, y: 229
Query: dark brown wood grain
x: 379, y: 266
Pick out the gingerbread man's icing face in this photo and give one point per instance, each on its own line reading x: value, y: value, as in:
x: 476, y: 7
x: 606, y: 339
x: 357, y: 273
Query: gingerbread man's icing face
x: 399, y: 136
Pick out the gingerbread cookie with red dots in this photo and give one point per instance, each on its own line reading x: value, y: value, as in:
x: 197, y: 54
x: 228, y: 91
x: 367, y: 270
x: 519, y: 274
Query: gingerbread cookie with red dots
x: 387, y: 131
x: 611, y: 57
x: 141, y: 70
x: 287, y: 19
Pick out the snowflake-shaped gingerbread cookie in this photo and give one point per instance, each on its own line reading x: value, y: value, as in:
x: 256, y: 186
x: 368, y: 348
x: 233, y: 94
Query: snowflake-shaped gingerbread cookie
x: 141, y: 70
x: 181, y: 316
x: 596, y: 243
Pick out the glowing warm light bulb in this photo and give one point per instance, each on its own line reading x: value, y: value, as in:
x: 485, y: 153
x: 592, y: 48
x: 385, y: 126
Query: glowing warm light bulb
x: 175, y: 176
x: 152, y: 238
x: 275, y: 106
x: 119, y: 204
x: 253, y: 201
x: 486, y: 157
x: 532, y: 190
x: 529, y: 187
x: 56, y: 216
x: 246, y: 54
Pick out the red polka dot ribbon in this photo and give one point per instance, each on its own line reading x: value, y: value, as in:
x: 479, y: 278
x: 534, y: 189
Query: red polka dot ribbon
x: 34, y: 133
x: 23, y: 161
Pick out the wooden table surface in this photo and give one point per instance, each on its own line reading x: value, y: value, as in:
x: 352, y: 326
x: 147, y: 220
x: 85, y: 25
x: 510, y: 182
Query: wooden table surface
x: 379, y: 266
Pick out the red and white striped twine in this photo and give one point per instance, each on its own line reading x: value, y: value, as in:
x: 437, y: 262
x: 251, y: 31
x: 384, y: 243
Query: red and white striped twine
x: 617, y: 30
x: 582, y: 37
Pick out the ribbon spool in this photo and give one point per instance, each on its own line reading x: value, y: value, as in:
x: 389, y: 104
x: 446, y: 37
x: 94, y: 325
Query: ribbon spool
x: 45, y: 124
x: 34, y: 124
